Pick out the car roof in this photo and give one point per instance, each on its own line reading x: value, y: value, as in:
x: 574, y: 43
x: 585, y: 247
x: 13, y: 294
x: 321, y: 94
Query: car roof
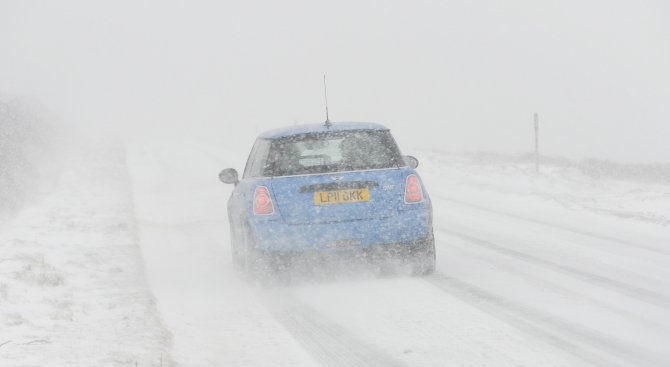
x: 321, y: 128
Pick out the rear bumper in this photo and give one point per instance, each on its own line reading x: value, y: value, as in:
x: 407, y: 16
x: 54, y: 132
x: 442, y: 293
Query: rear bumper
x: 398, y: 253
x: 405, y: 227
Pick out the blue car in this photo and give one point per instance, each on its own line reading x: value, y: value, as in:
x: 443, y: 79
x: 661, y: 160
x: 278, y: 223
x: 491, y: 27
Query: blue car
x: 329, y: 189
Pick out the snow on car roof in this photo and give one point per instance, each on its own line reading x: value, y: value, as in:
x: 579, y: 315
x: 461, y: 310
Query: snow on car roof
x: 320, y: 128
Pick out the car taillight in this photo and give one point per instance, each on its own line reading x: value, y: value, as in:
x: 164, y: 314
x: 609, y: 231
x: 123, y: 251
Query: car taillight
x: 262, y: 201
x: 413, y: 192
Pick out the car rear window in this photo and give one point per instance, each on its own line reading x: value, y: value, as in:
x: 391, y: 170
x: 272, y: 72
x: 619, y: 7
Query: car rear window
x: 332, y: 152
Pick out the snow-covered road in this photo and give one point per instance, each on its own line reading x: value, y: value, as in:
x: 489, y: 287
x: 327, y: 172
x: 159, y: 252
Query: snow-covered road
x: 527, y: 275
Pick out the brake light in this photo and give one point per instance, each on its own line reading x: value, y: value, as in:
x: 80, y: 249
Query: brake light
x: 413, y: 192
x: 262, y: 201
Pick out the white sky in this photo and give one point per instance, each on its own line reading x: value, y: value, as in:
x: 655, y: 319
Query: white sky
x: 449, y: 74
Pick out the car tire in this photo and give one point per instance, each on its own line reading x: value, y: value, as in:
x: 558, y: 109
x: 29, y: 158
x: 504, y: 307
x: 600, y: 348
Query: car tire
x: 256, y: 263
x: 424, y: 257
x: 236, y: 250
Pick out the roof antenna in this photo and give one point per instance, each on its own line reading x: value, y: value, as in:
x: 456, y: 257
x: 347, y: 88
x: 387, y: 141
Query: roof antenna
x: 328, y: 124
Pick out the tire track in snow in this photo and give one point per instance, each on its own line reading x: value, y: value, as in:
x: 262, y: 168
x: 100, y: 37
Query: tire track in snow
x: 558, y: 226
x: 599, y: 348
x: 328, y: 343
x: 545, y: 284
x: 648, y: 296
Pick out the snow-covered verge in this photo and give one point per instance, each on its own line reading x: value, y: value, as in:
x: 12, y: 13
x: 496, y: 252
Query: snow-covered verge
x: 638, y: 192
x: 72, y: 284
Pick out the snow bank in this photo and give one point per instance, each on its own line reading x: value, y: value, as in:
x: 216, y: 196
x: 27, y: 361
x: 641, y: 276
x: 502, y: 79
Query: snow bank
x: 596, y: 168
x: 72, y: 285
x: 637, y: 192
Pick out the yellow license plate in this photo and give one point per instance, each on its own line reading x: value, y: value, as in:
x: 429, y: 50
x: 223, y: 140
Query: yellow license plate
x: 341, y: 196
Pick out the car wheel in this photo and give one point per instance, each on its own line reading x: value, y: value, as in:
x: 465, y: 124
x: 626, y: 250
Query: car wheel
x: 424, y: 257
x: 255, y: 263
x: 236, y: 250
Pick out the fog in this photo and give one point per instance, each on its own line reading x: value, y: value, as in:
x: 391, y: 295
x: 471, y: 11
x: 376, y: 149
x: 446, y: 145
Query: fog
x: 446, y: 75
x: 120, y: 247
